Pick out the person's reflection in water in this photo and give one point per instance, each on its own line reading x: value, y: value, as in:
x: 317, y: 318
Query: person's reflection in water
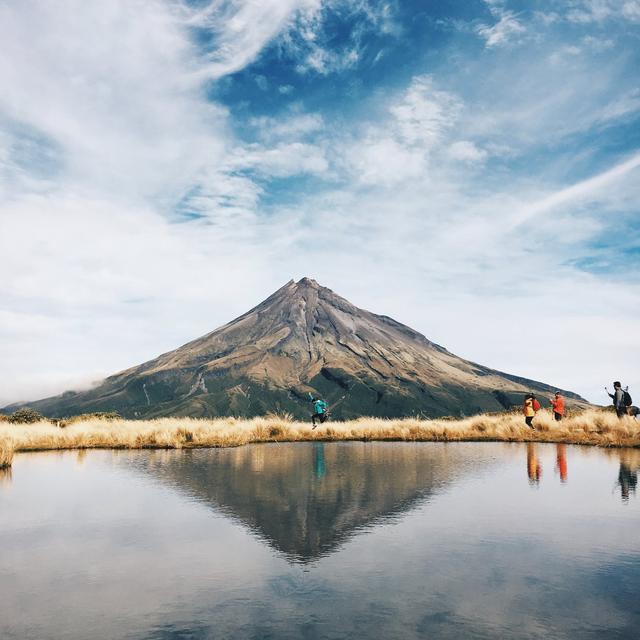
x: 628, y: 480
x: 561, y: 462
x: 319, y: 467
x: 534, y: 468
x: 5, y: 476
x: 81, y: 457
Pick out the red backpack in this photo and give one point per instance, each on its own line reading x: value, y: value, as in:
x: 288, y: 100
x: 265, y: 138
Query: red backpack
x: 536, y: 405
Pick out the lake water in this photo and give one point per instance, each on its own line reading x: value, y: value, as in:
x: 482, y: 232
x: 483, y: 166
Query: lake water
x: 309, y: 540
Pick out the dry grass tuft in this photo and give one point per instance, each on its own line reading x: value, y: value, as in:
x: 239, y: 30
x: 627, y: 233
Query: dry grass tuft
x: 590, y: 427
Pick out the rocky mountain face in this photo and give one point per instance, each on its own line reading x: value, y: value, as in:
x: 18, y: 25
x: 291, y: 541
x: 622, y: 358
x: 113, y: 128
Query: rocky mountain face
x: 303, y: 338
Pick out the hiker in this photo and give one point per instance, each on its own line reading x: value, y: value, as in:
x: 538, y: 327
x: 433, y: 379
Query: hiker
x: 558, y: 406
x: 621, y: 399
x: 529, y: 408
x: 319, y: 410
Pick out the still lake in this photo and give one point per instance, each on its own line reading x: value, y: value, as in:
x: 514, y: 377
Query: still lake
x: 313, y: 540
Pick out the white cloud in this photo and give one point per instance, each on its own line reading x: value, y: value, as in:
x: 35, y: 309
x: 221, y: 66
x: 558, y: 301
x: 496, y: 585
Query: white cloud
x: 631, y: 10
x: 507, y: 29
x: 241, y: 29
x: 598, y: 44
x: 381, y: 160
x: 288, y: 127
x: 623, y: 106
x: 587, y: 11
x: 424, y: 114
x: 400, y: 147
x: 120, y: 111
x: 564, y: 54
x: 312, y: 42
x: 584, y: 190
x: 324, y: 61
x: 283, y: 160
x: 467, y: 151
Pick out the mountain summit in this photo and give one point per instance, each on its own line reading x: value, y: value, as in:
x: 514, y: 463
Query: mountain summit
x: 303, y: 338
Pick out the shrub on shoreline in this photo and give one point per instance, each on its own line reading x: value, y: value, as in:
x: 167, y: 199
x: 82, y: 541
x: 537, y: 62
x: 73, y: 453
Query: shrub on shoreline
x: 84, y: 417
x: 25, y: 416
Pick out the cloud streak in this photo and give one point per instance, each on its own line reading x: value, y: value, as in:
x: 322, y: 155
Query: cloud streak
x: 585, y: 190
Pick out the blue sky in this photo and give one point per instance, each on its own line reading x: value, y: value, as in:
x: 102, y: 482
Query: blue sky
x: 470, y: 168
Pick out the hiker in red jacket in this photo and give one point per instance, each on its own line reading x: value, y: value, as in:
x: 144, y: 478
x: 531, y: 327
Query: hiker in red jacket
x: 558, y: 406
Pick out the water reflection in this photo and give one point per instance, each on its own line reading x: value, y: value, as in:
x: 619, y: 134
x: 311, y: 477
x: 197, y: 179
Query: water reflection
x: 318, y: 453
x: 534, y: 464
x: 534, y: 468
x: 409, y: 541
x: 626, y: 480
x: 628, y: 473
x: 5, y: 477
x: 561, y: 462
x: 306, y: 499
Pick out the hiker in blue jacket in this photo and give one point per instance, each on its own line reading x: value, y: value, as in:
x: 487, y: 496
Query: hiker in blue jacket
x: 319, y: 410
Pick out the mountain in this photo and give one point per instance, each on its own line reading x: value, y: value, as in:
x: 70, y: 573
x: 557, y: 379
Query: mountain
x: 303, y: 338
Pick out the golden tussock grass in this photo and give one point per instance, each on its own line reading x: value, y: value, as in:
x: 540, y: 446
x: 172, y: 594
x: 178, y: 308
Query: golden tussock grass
x: 590, y: 427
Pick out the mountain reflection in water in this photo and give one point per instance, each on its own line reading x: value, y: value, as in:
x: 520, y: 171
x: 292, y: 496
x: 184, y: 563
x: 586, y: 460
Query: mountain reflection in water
x: 311, y: 540
x: 306, y: 499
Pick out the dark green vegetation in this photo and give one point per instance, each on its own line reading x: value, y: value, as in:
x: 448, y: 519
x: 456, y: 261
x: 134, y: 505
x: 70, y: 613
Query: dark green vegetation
x: 26, y: 415
x: 303, y: 338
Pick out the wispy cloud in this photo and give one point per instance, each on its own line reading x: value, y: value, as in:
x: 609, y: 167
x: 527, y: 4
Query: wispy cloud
x: 507, y: 29
x: 424, y: 113
x: 583, y: 190
x: 314, y: 42
x: 236, y: 31
x: 587, y: 11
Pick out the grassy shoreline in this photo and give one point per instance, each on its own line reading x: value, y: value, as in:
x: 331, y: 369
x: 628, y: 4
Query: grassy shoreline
x: 591, y: 427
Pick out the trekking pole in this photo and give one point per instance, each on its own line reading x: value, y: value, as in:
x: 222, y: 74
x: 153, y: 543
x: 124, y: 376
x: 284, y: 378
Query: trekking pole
x: 335, y: 404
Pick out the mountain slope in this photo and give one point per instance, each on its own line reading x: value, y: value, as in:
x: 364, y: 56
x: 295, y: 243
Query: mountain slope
x: 303, y: 338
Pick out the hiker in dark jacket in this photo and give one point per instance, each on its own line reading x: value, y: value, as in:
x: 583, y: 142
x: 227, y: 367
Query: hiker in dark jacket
x: 618, y: 399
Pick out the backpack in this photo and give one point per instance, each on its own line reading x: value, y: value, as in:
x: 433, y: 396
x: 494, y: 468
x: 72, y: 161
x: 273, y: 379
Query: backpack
x: 536, y: 405
x: 626, y: 399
